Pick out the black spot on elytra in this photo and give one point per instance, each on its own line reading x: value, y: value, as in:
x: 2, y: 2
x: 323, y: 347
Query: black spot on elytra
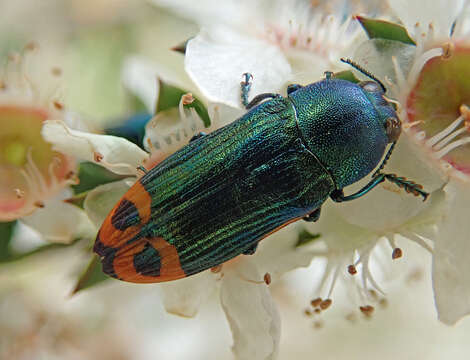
x: 107, y: 255
x: 125, y: 215
x: 147, y: 262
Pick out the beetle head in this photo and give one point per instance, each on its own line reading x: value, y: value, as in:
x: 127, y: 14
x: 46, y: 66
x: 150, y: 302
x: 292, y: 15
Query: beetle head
x: 387, y: 114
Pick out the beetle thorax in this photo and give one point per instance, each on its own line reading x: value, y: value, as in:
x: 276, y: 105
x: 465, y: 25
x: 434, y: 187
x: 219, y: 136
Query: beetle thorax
x: 342, y: 127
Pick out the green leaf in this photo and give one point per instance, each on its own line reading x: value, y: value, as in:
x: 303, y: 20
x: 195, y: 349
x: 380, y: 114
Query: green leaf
x: 92, y: 276
x: 169, y: 96
x: 346, y: 75
x: 6, y: 234
x: 91, y: 175
x: 306, y: 237
x: 380, y: 29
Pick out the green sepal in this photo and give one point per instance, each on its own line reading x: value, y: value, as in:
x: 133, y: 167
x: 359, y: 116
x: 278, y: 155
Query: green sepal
x: 91, y: 276
x: 346, y: 75
x: 77, y: 200
x: 6, y: 233
x: 169, y: 96
x: 381, y: 29
x: 305, y: 237
x: 91, y: 175
x: 181, y: 47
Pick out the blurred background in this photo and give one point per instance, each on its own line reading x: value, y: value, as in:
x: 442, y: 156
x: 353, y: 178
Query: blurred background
x: 40, y: 319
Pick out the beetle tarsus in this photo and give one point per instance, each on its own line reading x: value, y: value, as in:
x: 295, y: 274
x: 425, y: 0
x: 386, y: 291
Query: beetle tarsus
x: 313, y: 216
x: 245, y: 88
x: 198, y: 136
x: 293, y: 87
x: 259, y: 98
x: 251, y: 250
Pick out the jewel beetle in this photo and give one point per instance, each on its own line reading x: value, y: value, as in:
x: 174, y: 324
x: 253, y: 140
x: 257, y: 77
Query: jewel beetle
x: 218, y: 196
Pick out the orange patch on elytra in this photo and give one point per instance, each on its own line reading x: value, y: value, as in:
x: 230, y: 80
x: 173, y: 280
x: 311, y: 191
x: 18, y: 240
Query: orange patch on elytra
x: 109, y: 235
x: 141, y: 199
x: 170, y: 266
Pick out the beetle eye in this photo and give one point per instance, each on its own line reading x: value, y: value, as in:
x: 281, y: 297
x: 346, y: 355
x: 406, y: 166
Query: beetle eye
x: 370, y: 86
x: 392, y: 128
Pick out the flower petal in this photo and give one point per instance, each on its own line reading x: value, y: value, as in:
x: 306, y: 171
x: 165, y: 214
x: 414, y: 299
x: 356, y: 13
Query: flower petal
x: 114, y: 153
x: 61, y: 222
x: 278, y: 253
x: 100, y: 201
x: 185, y: 296
x: 252, y: 314
x: 441, y: 13
x: 217, y: 58
x: 451, y: 265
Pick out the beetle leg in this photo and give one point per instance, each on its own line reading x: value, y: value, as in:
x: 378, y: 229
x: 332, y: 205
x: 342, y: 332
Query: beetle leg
x: 245, y: 87
x: 197, y: 136
x: 251, y: 250
x: 338, y: 194
x: 293, y: 87
x: 258, y: 98
x: 313, y: 216
x: 408, y: 185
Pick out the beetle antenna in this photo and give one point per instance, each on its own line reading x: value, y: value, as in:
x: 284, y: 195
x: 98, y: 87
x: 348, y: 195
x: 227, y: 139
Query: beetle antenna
x: 365, y: 72
x: 387, y: 156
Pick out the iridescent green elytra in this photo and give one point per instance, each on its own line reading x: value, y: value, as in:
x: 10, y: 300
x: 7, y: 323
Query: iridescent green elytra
x: 217, y: 197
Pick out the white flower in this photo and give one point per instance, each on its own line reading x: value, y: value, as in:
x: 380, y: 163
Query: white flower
x: 34, y: 177
x: 429, y: 81
x: 276, y: 41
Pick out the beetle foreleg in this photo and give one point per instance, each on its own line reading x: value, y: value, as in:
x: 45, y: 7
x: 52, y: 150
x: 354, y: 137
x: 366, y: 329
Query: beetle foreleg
x: 408, y: 185
x: 313, y: 216
x: 338, y: 194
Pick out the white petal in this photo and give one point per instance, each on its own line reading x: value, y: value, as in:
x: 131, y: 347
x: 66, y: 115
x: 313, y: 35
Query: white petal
x: 141, y: 75
x: 100, y: 201
x: 375, y: 56
x: 217, y: 58
x: 185, y: 296
x: 251, y: 312
x: 278, y: 254
x: 115, y: 153
x: 451, y: 265
x: 60, y: 222
x: 441, y: 13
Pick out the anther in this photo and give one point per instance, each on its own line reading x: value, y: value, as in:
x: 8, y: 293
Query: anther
x: 31, y: 46
x: 308, y: 312
x: 317, y: 311
x: 448, y: 50
x: 19, y: 193
x: 352, y: 270
x: 216, y: 269
x: 318, y: 324
x: 56, y: 71
x: 316, y: 302
x: 367, y: 310
x: 397, y: 253
x: 187, y: 99
x: 97, y: 156
x: 58, y: 105
x: 325, y: 304
x: 267, y: 278
x: 39, y: 204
